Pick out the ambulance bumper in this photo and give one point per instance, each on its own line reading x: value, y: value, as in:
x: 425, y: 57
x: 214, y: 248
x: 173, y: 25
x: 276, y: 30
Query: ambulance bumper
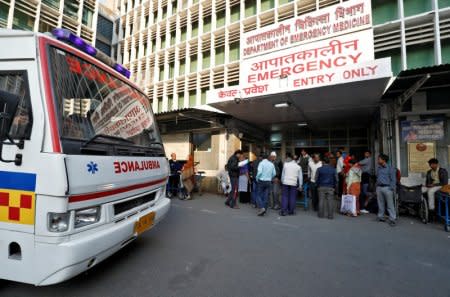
x: 68, y: 259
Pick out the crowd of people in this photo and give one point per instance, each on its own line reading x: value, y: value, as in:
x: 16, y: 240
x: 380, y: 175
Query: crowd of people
x: 268, y: 183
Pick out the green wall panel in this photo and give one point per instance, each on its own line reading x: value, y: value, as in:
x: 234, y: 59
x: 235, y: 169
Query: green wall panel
x: 384, y: 11
x: 445, y: 45
x: 413, y: 7
x: 396, y: 60
x: 420, y: 55
x: 444, y: 3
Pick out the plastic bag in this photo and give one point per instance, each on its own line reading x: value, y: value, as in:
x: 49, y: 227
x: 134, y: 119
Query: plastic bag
x: 348, y: 205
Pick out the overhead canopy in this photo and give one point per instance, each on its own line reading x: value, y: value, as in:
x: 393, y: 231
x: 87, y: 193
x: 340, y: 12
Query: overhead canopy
x: 419, y: 79
x: 339, y: 104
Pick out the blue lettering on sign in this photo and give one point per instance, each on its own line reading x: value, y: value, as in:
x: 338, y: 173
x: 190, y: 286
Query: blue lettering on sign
x: 92, y: 167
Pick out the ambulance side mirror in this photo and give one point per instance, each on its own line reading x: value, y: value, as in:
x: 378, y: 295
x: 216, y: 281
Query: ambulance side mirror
x: 8, y: 107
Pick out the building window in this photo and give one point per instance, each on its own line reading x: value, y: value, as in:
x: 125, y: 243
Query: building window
x: 220, y: 19
x: 52, y: 3
x: 44, y: 27
x: 180, y: 100
x: 234, y: 51
x: 267, y: 4
x: 154, y: 45
x: 203, y: 95
x: 193, y: 63
x: 250, y: 8
x: 104, y: 47
x: 174, y: 7
x: 220, y: 55
x: 183, y: 33
x: 194, y: 29
x: 164, y: 12
x: 170, y: 103
x: 206, y: 63
x: 235, y: 13
x: 192, y: 98
x: 87, y: 17
x: 171, y: 69
x: 104, y: 27
x: 71, y: 8
x: 207, y: 24
x: 22, y: 21
x: 182, y: 68
x: 160, y: 104
x: 202, y: 142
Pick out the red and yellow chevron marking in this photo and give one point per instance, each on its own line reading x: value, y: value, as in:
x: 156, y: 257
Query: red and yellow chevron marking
x: 17, y: 207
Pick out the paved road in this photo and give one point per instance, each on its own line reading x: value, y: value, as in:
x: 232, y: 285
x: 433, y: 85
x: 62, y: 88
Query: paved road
x: 205, y: 249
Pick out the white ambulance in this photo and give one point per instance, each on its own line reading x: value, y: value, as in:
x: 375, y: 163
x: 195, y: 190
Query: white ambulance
x: 82, y: 167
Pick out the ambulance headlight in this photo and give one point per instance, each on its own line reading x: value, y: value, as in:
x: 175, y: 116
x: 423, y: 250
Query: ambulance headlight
x: 58, y: 222
x: 87, y: 216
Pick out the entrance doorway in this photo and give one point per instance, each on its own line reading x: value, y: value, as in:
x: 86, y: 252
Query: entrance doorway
x: 353, y: 139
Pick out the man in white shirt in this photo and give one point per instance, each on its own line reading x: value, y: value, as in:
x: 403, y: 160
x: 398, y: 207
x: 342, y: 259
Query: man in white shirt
x: 340, y: 171
x: 292, y: 180
x: 313, y: 165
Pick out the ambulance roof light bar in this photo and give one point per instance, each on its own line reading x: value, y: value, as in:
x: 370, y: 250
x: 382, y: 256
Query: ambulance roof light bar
x: 78, y: 42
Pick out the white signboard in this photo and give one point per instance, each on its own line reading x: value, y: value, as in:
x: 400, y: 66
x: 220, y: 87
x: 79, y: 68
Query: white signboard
x: 329, y: 22
x: 344, y: 59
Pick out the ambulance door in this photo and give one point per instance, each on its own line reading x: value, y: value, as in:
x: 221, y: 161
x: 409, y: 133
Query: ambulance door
x: 20, y: 161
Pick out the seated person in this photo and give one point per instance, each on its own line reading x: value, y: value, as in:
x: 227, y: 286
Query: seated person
x: 224, y: 180
x: 175, y: 171
x: 436, y: 178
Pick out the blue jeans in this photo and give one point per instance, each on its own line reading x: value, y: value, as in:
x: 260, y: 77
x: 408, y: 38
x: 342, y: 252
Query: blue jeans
x: 254, y: 192
x: 264, y: 188
x: 289, y: 199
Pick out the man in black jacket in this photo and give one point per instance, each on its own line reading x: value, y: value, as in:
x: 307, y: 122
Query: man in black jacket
x: 436, y: 178
x: 233, y: 172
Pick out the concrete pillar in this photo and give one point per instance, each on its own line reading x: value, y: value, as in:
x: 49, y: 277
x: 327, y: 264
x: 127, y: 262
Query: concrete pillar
x: 283, y: 148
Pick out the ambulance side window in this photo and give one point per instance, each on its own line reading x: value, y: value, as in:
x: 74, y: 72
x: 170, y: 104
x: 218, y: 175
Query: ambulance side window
x: 16, y: 82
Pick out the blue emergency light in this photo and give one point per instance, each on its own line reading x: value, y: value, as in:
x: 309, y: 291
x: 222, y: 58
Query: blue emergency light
x: 79, y: 43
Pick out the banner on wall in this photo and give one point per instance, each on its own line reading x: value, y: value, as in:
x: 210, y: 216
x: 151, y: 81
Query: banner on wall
x: 423, y: 130
x: 329, y: 22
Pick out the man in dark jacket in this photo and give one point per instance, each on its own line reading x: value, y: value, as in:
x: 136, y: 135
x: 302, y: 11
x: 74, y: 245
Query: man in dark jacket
x: 436, y: 178
x: 326, y: 181
x: 233, y: 172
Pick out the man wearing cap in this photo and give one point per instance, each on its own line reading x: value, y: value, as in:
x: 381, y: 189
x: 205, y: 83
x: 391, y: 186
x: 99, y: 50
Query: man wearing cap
x: 276, y: 182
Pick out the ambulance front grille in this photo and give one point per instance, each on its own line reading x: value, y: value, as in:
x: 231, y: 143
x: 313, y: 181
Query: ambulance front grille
x: 133, y: 203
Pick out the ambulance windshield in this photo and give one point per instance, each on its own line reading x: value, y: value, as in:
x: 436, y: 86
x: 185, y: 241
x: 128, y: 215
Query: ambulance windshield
x: 95, y: 109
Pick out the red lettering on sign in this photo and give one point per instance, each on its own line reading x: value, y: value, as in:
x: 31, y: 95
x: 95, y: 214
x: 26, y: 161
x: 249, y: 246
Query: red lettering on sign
x: 116, y: 167
x: 134, y: 166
